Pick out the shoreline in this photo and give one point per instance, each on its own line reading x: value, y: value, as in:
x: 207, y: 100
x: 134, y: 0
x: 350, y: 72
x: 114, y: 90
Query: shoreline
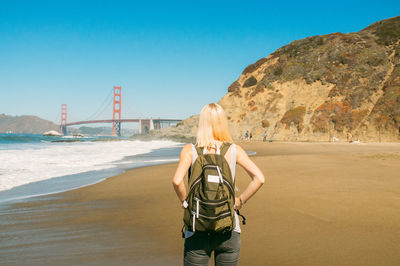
x: 318, y: 202
x: 68, y: 182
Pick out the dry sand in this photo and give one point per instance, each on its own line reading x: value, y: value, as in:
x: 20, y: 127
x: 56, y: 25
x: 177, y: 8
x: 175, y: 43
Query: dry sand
x: 322, y: 204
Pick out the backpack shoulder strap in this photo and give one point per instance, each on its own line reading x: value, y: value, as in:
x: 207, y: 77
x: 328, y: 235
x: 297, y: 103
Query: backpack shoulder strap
x: 224, y: 148
x: 199, y: 150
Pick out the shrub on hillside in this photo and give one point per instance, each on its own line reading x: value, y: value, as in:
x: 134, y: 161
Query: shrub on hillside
x: 250, y: 82
x: 295, y: 116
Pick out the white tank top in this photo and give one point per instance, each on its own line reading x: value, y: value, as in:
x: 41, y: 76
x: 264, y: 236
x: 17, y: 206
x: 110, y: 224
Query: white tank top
x: 232, y: 165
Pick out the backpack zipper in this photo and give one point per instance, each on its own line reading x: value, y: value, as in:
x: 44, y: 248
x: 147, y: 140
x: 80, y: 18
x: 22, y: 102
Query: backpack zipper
x: 194, y: 184
x: 210, y: 166
x: 220, y: 175
x: 216, y: 203
x: 229, y: 186
x: 194, y: 221
x: 227, y: 213
x: 197, y: 208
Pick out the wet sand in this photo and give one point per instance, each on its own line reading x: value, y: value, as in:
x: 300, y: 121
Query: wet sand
x: 322, y: 204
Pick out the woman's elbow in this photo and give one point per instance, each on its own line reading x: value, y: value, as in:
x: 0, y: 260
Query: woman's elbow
x: 176, y: 183
x: 261, y: 180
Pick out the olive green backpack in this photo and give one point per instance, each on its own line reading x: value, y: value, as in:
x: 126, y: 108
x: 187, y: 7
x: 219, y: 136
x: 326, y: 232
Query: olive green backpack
x: 211, y: 196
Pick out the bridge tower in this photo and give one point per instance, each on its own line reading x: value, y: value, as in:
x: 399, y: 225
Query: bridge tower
x: 117, y: 112
x: 63, y: 125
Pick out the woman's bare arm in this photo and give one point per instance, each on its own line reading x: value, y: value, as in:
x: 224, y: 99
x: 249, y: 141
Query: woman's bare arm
x: 184, y: 163
x: 254, y: 172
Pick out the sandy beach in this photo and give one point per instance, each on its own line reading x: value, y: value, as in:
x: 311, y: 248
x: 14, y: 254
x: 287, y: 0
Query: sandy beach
x: 322, y: 204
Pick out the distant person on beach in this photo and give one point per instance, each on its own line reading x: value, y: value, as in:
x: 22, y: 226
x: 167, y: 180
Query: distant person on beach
x: 265, y: 137
x: 349, y: 137
x: 214, y: 142
x: 246, y: 135
x: 251, y: 136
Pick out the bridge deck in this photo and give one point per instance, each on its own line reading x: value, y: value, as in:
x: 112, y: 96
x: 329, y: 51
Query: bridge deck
x: 158, y: 120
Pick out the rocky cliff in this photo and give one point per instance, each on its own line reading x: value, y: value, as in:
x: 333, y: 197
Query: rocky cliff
x: 322, y: 87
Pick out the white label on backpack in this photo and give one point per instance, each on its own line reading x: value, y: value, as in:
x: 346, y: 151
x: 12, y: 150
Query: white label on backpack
x: 213, y: 178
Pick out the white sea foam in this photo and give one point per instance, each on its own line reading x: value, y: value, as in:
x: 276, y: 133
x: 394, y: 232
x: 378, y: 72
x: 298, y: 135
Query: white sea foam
x: 26, y: 164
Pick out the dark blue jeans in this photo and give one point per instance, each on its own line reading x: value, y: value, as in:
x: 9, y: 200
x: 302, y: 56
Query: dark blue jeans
x: 226, y: 247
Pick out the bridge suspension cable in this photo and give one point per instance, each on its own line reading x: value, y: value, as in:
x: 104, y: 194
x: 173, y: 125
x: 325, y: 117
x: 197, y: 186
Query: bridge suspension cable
x: 106, y: 110
x: 102, y: 107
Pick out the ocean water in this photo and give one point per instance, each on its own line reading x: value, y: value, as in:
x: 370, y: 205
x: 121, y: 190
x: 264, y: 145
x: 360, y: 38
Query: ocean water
x: 32, y: 165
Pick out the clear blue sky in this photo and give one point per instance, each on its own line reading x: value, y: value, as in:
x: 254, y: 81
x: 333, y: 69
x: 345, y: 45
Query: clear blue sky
x: 170, y: 57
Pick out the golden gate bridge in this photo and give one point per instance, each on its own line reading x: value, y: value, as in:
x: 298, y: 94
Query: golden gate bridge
x: 145, y: 125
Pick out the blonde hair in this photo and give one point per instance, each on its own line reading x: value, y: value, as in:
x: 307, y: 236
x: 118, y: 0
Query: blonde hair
x: 213, y: 126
